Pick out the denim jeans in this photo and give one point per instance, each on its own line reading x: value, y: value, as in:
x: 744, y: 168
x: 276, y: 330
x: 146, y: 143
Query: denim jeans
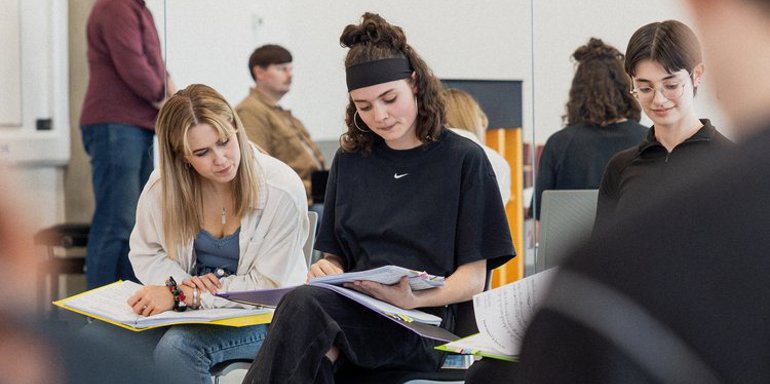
x: 182, y: 353
x: 121, y: 162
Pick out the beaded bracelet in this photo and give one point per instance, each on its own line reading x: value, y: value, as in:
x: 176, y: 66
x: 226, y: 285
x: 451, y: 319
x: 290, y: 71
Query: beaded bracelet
x: 178, y: 293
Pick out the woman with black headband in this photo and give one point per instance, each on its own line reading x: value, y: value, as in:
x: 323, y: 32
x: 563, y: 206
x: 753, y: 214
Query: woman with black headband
x: 402, y: 190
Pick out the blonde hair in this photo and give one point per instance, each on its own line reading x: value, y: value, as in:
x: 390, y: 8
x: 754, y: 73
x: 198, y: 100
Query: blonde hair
x: 181, y: 185
x: 463, y: 112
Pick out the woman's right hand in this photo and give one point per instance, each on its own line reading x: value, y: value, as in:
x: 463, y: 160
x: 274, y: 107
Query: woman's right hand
x: 329, y: 265
x: 206, y: 283
x: 151, y: 300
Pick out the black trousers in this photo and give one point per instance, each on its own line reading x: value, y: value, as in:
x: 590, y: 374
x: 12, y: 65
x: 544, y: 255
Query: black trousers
x: 310, y: 320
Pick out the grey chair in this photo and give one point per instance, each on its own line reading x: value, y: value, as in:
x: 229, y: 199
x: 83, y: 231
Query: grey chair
x: 566, y: 220
x: 63, y: 236
x: 307, y: 249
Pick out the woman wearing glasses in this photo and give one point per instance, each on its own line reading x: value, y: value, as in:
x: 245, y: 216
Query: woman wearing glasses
x: 664, y: 62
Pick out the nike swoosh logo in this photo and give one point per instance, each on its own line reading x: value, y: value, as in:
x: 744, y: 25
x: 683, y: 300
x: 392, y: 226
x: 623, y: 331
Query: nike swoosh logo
x: 397, y: 176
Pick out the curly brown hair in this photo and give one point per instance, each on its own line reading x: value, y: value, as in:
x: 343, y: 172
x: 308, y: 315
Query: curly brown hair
x: 600, y: 88
x: 376, y: 39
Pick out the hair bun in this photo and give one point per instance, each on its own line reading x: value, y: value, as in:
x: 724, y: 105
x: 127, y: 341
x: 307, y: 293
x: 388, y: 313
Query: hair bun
x: 373, y: 30
x: 596, y: 49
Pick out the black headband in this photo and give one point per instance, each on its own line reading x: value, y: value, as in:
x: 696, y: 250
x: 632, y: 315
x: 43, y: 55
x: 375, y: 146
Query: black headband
x: 377, y: 72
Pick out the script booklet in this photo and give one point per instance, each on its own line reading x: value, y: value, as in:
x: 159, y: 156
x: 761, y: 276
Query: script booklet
x: 109, y: 304
x: 422, y: 323
x: 502, y: 316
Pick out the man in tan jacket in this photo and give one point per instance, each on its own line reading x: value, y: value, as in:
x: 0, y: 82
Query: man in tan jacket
x: 271, y: 127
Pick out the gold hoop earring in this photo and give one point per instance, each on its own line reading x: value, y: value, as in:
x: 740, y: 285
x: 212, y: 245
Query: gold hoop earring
x: 355, y: 123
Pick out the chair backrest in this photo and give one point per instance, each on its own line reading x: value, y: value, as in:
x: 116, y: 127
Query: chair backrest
x: 308, y: 248
x: 566, y: 219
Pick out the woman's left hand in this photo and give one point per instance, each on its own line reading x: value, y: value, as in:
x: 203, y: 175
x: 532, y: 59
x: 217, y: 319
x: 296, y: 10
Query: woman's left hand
x: 206, y: 283
x: 151, y: 300
x: 400, y: 295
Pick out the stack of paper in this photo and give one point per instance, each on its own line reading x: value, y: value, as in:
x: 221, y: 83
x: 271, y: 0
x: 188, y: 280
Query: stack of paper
x: 388, y: 275
x: 502, y: 316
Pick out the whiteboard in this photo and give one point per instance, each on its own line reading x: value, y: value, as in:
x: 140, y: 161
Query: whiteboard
x: 34, y: 82
x: 10, y: 64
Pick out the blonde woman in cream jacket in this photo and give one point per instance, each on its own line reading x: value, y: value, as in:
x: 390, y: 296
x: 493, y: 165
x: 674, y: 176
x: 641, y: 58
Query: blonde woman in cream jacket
x: 217, y: 216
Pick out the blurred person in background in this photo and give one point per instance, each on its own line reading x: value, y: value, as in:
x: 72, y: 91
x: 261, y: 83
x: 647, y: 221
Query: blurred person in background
x: 465, y: 117
x: 602, y: 119
x: 275, y: 129
x: 35, y: 349
x: 677, y: 291
x: 127, y: 85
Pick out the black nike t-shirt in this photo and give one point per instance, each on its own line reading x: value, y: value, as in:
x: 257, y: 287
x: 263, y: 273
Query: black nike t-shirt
x: 432, y: 208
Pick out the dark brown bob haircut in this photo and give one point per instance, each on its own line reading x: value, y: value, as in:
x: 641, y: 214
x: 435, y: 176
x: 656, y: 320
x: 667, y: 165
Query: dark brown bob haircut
x: 267, y: 55
x: 670, y: 43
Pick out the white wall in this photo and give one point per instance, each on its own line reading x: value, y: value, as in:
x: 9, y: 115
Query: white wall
x: 210, y: 41
x: 213, y: 47
x: 458, y: 39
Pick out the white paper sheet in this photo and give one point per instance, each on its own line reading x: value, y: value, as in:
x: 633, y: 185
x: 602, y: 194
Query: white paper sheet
x: 503, y: 313
x: 389, y: 274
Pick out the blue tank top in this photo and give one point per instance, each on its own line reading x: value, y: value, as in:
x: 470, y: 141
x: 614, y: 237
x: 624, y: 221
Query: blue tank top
x: 217, y: 256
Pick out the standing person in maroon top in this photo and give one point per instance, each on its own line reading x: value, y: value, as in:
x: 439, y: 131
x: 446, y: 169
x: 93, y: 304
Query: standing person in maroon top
x: 127, y: 84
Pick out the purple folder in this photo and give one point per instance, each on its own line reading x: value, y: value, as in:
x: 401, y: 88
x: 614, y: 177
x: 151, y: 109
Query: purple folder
x: 260, y: 297
x: 408, y: 319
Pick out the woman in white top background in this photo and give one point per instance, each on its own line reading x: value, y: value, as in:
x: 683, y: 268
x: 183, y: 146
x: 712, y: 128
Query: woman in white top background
x: 465, y: 117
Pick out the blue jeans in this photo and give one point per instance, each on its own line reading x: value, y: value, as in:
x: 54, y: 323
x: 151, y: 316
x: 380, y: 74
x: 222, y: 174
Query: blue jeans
x: 183, y: 353
x: 121, y: 162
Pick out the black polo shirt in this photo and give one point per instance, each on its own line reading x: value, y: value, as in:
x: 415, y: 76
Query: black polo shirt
x: 635, y: 175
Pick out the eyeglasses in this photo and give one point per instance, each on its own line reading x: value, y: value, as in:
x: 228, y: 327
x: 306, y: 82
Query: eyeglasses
x: 670, y: 91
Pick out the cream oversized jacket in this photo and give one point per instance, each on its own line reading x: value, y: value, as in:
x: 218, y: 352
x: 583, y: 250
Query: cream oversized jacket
x: 271, y: 238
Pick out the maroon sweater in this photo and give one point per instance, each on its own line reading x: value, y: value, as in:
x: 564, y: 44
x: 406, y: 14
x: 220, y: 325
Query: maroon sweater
x: 125, y: 65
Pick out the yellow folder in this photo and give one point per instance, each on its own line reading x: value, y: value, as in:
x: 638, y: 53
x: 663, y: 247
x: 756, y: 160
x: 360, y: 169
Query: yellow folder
x: 109, y: 304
